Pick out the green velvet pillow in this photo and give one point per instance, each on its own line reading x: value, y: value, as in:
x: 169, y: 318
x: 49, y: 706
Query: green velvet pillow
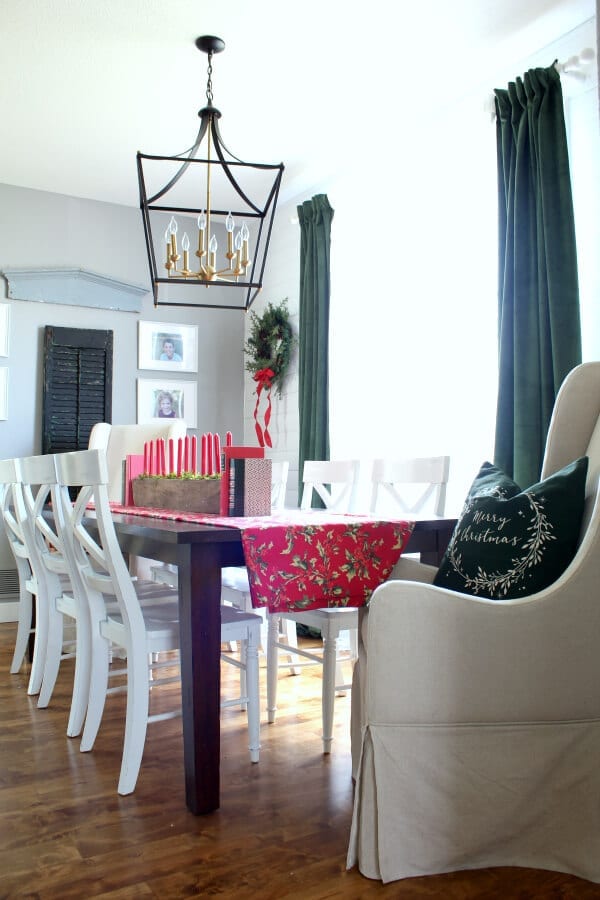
x: 510, y: 543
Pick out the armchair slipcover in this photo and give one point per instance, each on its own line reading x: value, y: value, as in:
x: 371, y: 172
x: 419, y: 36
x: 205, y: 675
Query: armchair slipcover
x: 476, y: 729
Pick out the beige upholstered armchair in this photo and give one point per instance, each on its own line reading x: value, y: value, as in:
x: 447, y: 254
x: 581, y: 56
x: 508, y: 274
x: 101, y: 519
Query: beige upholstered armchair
x: 476, y: 729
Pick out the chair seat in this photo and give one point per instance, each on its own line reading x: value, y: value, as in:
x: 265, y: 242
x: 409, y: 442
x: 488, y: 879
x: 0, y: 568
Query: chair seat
x: 235, y: 618
x: 235, y: 578
x: 332, y: 620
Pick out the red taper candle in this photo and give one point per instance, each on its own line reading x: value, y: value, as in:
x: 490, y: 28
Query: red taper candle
x: 217, y: 447
x: 194, y: 454
x: 209, y: 454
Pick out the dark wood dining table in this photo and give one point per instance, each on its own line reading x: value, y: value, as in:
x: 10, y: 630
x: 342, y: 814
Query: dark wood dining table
x: 200, y: 551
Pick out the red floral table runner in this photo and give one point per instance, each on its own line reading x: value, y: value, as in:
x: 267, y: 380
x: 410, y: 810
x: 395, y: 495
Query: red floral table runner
x: 307, y: 560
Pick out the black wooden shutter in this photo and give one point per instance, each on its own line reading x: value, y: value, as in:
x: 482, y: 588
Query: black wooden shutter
x: 77, y: 386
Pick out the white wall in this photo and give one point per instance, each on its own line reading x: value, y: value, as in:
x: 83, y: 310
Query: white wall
x: 413, y: 330
x: 42, y: 229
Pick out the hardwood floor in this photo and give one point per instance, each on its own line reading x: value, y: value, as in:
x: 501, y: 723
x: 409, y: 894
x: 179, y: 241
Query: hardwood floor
x: 281, y: 832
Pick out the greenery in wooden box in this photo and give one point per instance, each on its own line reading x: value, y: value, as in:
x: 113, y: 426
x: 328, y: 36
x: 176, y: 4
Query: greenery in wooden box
x: 188, y: 492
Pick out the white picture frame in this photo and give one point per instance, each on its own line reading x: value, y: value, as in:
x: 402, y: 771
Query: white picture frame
x: 167, y: 347
x: 3, y: 392
x: 155, y: 397
x: 4, y: 328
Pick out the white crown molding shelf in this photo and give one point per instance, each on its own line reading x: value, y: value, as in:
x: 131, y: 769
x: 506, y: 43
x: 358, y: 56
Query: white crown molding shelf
x: 74, y: 287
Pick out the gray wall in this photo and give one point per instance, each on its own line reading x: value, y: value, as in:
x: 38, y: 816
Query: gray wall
x: 40, y: 229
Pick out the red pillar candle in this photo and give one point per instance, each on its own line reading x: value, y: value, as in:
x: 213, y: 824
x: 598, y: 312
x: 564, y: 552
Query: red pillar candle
x: 186, y: 454
x: 194, y: 454
x: 171, y: 456
x: 179, y: 456
x: 146, y: 466
x: 209, y: 453
x: 163, y: 464
x: 229, y: 439
x: 217, y: 446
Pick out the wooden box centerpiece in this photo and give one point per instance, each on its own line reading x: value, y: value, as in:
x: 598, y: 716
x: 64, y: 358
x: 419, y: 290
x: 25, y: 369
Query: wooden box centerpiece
x: 190, y: 493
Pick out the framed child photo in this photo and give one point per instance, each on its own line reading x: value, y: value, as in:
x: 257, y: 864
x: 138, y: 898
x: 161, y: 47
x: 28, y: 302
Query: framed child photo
x: 167, y: 347
x: 158, y: 400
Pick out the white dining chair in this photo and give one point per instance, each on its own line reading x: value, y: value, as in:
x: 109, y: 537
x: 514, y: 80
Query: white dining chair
x: 140, y: 630
x: 402, y: 487
x: 9, y: 487
x: 235, y: 587
x: 61, y: 599
x: 336, y: 483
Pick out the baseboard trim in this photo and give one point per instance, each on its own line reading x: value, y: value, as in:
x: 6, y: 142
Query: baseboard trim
x: 9, y: 612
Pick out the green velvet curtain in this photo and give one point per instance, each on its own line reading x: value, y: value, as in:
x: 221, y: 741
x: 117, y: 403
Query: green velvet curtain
x: 539, y: 331
x: 313, y: 377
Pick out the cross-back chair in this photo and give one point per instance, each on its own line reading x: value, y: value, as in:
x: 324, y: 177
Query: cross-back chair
x: 9, y: 488
x: 118, y: 618
x: 62, y: 594
x: 235, y: 588
x: 400, y: 487
x: 336, y: 483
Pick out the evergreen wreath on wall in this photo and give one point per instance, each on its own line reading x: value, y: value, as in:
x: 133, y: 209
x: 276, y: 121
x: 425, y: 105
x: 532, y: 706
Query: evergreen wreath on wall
x: 269, y: 350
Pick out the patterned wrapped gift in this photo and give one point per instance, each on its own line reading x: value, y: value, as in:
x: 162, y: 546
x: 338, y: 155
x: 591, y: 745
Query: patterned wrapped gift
x: 200, y: 494
x: 246, y: 484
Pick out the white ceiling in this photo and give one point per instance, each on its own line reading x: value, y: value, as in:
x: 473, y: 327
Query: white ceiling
x: 84, y: 84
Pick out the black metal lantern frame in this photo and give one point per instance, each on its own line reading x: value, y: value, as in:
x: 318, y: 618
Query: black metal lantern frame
x: 221, y: 238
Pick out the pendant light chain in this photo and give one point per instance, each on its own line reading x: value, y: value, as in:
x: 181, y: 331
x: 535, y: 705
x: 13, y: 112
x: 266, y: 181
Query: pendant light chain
x: 209, y: 93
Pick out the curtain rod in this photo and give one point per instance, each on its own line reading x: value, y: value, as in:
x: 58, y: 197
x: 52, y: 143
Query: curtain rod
x: 577, y: 66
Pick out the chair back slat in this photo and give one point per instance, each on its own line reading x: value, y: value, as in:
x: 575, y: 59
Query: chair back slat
x: 411, y: 483
x: 335, y: 482
x: 9, y: 489
x: 38, y: 480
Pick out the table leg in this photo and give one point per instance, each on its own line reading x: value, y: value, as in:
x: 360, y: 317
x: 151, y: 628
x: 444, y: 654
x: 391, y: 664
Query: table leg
x: 200, y: 645
x: 442, y: 539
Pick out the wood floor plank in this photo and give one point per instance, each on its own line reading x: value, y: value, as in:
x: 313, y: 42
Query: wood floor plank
x: 281, y: 832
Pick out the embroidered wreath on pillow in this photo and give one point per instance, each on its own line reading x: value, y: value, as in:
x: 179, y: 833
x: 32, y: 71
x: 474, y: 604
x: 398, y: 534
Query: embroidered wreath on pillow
x: 511, y: 543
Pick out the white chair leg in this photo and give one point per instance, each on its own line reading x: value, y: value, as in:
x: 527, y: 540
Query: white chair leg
x: 264, y: 628
x: 272, y: 665
x: 97, y: 695
x: 328, y: 688
x: 81, y: 678
x: 290, y: 634
x: 135, y: 722
x: 54, y: 647
x: 243, y: 672
x: 39, y: 647
x: 253, y: 694
x: 23, y: 629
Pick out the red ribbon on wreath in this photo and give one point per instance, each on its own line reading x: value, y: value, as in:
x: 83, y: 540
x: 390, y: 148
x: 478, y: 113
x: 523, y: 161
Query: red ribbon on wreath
x: 264, y: 380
